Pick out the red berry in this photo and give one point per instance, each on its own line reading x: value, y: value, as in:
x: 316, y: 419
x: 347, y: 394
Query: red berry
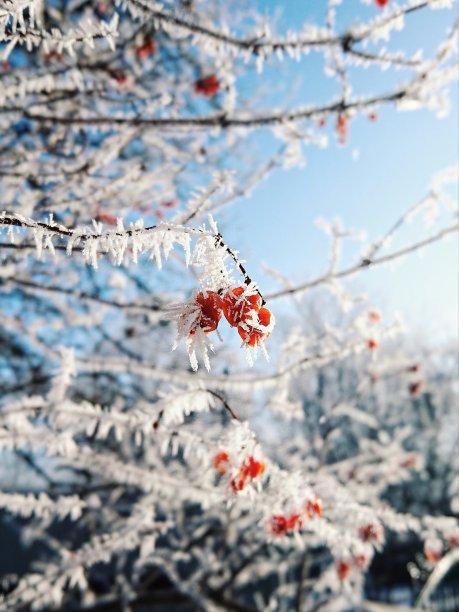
x: 372, y: 532
x: 381, y: 3
x: 147, y: 49
x: 211, y: 311
x: 53, y: 56
x: 207, y: 86
x: 254, y: 335
x: 343, y: 569
x: 238, y: 482
x: 253, y: 468
x: 278, y: 525
x: 294, y: 521
x: 433, y: 551
x: 372, y: 344
x: 106, y: 218
x: 360, y: 560
x: 374, y: 316
x: 238, y: 306
x: 416, y: 388
x: 409, y: 462
x: 313, y: 508
x: 342, y: 128
x: 221, y: 461
x: 119, y: 77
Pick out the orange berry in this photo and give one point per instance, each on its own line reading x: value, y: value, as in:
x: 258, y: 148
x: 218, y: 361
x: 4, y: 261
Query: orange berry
x: 237, y: 306
x: 211, y: 311
x: 372, y: 344
x: 253, y: 468
x: 251, y: 335
x: 433, y: 552
x: 313, y: 508
x: 221, y: 461
x: 147, y: 49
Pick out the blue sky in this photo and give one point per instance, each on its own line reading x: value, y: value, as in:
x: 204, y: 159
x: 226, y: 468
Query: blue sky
x: 385, y: 167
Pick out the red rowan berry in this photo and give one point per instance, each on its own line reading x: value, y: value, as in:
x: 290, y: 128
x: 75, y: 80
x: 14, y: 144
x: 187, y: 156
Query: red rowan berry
x: 409, y: 462
x: 416, y: 388
x: 294, y: 521
x: 207, y: 86
x: 360, y: 560
x: 343, y: 569
x: 211, y: 311
x: 433, y: 551
x: 250, y: 470
x: 372, y: 532
x: 374, y: 316
x: 148, y: 48
x: 221, y: 461
x: 313, y: 508
x: 278, y: 525
x: 342, y: 128
x: 253, y: 468
x: 253, y: 335
x: 106, y: 218
x: 238, y: 306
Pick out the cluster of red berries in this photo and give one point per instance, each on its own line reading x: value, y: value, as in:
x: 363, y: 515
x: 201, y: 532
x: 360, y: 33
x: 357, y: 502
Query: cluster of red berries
x: 281, y: 525
x: 242, y: 310
x: 249, y: 471
x: 207, y: 86
x: 371, y: 532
